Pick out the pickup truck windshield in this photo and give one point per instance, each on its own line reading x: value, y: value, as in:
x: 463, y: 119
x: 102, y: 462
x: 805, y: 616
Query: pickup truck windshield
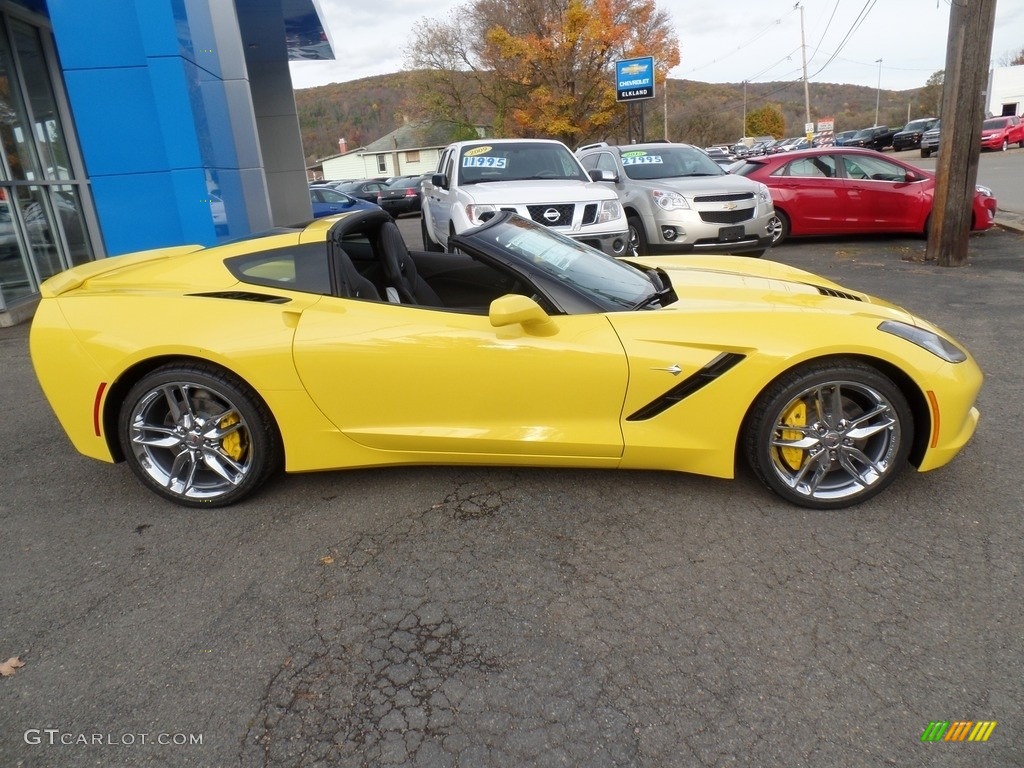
x: 517, y: 161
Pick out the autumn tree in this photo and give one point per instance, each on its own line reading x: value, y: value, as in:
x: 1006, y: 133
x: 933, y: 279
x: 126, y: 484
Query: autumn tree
x: 1011, y: 58
x: 766, y: 121
x: 536, y: 67
x: 929, y: 99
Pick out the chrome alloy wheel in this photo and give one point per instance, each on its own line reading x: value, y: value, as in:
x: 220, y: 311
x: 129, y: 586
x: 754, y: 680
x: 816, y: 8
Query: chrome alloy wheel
x: 836, y: 440
x: 190, y: 440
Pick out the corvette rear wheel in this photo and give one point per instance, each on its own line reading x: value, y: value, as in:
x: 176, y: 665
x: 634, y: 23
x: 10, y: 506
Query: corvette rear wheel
x: 197, y: 435
x: 829, y: 435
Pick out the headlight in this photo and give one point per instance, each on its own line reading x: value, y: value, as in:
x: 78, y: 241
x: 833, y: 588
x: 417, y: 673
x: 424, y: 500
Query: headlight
x: 610, y: 211
x: 984, y: 191
x: 764, y: 195
x: 475, y: 213
x: 670, y: 201
x: 925, y: 339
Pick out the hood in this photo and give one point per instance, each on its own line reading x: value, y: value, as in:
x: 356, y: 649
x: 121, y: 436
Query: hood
x: 720, y: 281
x: 695, y: 186
x: 540, y: 192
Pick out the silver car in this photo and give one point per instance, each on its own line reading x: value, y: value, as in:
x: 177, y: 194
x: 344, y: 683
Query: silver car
x: 678, y: 200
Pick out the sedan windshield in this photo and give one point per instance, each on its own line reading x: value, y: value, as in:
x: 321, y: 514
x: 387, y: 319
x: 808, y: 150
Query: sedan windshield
x: 668, y: 163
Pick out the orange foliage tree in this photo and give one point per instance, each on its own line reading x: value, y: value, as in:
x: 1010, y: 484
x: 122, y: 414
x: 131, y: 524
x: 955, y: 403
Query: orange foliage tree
x: 538, y: 67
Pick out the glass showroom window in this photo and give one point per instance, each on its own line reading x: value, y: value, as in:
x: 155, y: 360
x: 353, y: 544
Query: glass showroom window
x: 42, y: 218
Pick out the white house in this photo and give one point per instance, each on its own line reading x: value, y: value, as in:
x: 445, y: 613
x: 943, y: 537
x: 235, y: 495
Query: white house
x: 413, y: 148
x: 1006, y: 91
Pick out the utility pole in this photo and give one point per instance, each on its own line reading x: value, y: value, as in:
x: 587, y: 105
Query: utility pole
x: 743, y: 133
x: 968, y: 47
x: 803, y: 53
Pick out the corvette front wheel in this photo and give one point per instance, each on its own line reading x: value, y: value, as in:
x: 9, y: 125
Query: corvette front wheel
x: 197, y: 435
x: 830, y: 434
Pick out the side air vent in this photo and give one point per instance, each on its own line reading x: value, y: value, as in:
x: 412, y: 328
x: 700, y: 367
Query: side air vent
x: 689, y: 385
x: 837, y: 294
x: 261, y: 298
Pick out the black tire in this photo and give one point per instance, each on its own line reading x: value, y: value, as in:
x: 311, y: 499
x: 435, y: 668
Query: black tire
x: 926, y: 152
x: 198, y: 436
x: 637, y: 236
x: 854, y: 425
x: 428, y: 244
x: 450, y: 247
x: 778, y: 227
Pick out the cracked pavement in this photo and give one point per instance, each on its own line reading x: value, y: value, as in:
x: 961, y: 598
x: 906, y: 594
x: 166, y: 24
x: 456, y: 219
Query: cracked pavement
x: 498, y: 617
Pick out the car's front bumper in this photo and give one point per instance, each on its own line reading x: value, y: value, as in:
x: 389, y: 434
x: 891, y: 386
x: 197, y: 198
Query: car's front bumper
x: 684, y: 231
x: 610, y: 243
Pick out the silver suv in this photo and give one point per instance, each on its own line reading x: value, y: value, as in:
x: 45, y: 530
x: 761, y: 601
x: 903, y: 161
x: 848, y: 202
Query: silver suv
x: 678, y: 200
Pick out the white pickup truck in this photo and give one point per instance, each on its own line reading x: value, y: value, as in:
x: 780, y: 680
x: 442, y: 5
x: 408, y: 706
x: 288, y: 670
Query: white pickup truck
x: 539, y: 179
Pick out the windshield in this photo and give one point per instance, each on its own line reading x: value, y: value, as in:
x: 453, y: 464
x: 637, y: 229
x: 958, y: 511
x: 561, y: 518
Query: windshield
x: 995, y: 122
x: 518, y: 161
x: 612, y: 285
x: 918, y: 125
x: 668, y: 162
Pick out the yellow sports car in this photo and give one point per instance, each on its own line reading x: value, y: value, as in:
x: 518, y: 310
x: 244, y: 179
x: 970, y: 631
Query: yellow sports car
x: 330, y: 346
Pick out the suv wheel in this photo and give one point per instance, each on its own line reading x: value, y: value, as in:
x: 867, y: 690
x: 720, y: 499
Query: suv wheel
x: 637, y: 236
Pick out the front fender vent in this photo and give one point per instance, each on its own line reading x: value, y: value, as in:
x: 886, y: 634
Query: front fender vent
x: 262, y: 298
x: 689, y: 385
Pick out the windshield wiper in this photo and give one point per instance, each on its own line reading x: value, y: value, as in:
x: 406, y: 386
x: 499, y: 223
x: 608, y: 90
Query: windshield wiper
x: 662, y: 290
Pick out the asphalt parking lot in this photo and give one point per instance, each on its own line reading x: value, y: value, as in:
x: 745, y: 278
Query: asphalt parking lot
x: 520, y: 617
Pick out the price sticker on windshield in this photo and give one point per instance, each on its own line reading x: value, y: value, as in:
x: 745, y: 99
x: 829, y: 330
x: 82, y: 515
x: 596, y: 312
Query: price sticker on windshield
x: 484, y: 162
x: 641, y: 160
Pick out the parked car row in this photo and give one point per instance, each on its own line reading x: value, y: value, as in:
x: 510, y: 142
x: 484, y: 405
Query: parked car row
x: 997, y: 133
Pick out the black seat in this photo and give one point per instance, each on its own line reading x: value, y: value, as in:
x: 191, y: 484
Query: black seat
x: 400, y: 270
x: 350, y: 282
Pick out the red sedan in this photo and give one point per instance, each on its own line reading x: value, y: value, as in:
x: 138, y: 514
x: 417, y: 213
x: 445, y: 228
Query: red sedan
x: 844, y: 190
x: 1000, y: 132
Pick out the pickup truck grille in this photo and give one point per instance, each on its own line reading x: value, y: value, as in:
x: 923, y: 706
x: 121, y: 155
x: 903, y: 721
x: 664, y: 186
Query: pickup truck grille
x: 564, y: 211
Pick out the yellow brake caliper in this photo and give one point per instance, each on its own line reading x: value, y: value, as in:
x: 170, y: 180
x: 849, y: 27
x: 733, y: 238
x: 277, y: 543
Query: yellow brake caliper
x: 234, y: 444
x: 795, y: 417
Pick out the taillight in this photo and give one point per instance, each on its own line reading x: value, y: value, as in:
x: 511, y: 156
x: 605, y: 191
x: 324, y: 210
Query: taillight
x: 410, y: 192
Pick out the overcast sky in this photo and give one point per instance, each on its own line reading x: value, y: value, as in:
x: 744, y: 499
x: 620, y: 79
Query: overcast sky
x: 719, y: 42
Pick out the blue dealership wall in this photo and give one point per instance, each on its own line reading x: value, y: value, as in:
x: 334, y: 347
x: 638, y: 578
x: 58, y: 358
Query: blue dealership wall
x: 164, y: 116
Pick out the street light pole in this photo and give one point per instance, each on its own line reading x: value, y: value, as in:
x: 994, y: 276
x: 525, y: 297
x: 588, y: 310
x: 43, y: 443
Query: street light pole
x: 878, y: 90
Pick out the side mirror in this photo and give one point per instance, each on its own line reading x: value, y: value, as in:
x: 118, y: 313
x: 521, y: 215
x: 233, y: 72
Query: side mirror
x: 912, y: 176
x: 439, y: 180
x: 601, y: 174
x: 517, y: 309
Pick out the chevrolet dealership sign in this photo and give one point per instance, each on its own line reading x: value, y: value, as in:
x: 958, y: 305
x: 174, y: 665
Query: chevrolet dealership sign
x: 634, y: 79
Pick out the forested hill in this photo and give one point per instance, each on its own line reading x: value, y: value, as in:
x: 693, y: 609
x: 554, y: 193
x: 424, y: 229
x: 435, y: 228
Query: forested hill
x: 362, y: 111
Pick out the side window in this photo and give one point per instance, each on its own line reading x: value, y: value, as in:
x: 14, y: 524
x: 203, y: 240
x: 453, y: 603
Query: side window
x: 589, y: 162
x: 606, y: 162
x: 866, y: 167
x: 295, y: 268
x: 822, y: 166
x: 449, y: 165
